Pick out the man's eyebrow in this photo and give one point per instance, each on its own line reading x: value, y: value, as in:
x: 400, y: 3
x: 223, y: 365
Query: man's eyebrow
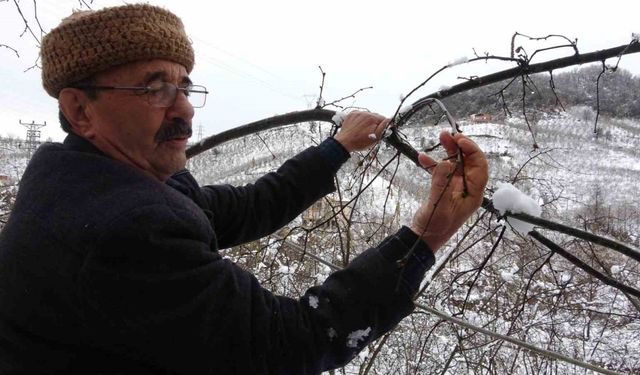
x: 154, y: 76
x: 161, y: 75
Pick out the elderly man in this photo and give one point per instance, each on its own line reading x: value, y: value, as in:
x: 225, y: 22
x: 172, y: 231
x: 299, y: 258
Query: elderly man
x: 109, y: 262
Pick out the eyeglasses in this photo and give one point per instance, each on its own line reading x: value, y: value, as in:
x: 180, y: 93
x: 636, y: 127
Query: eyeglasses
x: 162, y: 94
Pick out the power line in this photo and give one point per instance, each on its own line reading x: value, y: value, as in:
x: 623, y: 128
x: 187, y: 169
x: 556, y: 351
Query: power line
x: 220, y: 63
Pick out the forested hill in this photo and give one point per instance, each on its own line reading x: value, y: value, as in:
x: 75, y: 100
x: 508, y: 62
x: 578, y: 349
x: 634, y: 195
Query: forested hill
x: 618, y: 94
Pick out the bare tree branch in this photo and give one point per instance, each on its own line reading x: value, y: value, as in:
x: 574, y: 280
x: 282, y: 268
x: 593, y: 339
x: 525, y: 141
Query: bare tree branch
x: 529, y: 69
x: 335, y: 102
x: 26, y: 24
x: 595, y: 125
x: 577, y: 262
x: 11, y: 48
x: 320, y: 102
x: 205, y: 144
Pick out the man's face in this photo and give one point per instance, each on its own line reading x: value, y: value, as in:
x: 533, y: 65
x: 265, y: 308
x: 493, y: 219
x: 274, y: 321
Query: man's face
x: 128, y: 128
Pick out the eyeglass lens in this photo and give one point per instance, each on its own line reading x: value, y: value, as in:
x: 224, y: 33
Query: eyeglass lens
x: 164, y: 95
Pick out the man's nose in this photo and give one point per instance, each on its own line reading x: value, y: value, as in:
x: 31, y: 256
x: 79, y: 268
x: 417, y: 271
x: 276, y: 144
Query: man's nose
x: 181, y: 108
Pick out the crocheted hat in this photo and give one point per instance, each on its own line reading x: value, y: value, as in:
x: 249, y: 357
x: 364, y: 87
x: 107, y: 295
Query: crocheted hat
x: 89, y: 42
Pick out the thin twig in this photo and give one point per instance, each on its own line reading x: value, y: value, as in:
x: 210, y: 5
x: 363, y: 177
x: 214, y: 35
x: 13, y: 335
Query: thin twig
x: 553, y: 90
x: 266, y: 145
x: 11, y: 48
x: 335, y: 102
x: 320, y: 102
x: 35, y: 16
x: 26, y: 24
x: 481, y: 267
x: 595, y: 125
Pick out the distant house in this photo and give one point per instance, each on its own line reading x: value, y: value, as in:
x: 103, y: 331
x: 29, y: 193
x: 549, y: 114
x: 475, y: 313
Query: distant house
x: 481, y: 117
x: 4, y: 179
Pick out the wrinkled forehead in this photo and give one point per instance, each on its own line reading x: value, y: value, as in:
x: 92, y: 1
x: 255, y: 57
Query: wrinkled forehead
x: 144, y: 72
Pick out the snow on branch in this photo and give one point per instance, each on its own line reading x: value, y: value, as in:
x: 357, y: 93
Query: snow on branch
x: 509, y: 199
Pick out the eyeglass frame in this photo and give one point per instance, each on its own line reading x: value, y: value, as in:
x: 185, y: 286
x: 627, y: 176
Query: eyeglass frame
x: 147, y: 89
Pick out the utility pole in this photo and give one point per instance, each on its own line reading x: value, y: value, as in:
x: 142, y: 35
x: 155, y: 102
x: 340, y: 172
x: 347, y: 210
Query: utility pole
x: 33, y: 135
x: 199, y: 132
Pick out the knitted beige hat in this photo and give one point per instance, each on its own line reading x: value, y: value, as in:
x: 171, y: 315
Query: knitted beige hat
x: 89, y: 42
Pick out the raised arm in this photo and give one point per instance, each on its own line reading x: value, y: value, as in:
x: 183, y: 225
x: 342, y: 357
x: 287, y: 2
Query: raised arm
x: 242, y: 214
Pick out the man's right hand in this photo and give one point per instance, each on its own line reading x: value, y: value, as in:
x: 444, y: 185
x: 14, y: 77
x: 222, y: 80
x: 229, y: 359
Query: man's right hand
x: 357, y: 129
x: 449, y: 206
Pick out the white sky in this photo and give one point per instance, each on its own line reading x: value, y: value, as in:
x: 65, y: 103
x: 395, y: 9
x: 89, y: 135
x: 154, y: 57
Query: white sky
x: 260, y: 58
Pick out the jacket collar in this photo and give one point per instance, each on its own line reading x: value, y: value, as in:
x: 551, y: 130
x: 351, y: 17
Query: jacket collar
x: 77, y: 143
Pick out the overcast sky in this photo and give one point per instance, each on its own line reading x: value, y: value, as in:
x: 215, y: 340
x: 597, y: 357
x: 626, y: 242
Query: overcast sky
x: 260, y: 58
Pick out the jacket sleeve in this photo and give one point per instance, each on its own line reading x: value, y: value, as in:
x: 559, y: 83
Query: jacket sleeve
x: 154, y: 293
x: 243, y: 214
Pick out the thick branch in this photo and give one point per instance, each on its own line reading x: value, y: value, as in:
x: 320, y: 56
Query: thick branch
x: 575, y: 232
x: 578, y: 263
x: 526, y: 69
x: 258, y: 126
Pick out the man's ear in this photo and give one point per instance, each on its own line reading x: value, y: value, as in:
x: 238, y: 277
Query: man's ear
x: 74, y: 105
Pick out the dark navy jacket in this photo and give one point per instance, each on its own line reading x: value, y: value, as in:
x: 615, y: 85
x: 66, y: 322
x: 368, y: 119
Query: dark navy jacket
x: 104, y: 270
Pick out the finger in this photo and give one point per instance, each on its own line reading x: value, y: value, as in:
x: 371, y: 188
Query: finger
x: 448, y: 142
x: 427, y: 162
x: 476, y: 166
x: 473, y: 155
x: 381, y: 127
x: 468, y: 147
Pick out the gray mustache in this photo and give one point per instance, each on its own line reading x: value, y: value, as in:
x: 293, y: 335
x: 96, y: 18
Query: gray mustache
x: 172, y: 130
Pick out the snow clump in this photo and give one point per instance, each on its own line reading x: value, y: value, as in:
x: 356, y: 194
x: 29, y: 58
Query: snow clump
x: 509, y: 198
x: 616, y: 269
x: 355, y: 336
x: 458, y: 61
x: 313, y: 301
x: 507, y: 276
x: 338, y: 117
x: 404, y: 109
